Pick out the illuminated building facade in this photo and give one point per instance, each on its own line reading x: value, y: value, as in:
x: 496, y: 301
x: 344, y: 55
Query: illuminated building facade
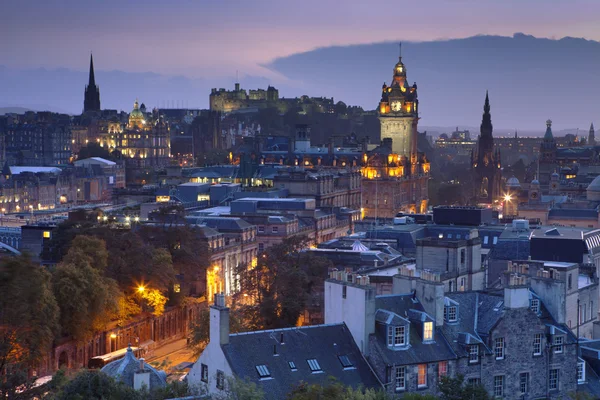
x: 487, y: 168
x: 144, y: 141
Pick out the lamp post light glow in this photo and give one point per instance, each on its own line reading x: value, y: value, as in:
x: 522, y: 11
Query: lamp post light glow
x: 141, y: 289
x: 507, y: 197
x: 137, y: 219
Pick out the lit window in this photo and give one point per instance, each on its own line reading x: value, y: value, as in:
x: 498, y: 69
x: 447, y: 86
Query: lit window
x: 422, y: 378
x: 535, y: 305
x: 400, y: 378
x: 558, y: 344
x: 524, y: 382
x: 443, y: 368
x: 314, y: 366
x: 553, y: 379
x: 177, y: 288
x: 499, y: 385
x: 263, y: 371
x: 580, y: 372
x: 46, y: 234
x: 499, y: 348
x: 346, y: 363
x: 428, y: 331
x: 537, y: 344
x: 473, y: 353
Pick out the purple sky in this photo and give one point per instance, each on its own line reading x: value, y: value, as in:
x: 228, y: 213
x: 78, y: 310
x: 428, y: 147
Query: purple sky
x: 203, y: 38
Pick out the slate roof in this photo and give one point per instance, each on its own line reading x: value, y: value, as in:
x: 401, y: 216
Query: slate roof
x: 246, y: 351
x: 573, y: 213
x: 417, y: 352
x: 125, y: 368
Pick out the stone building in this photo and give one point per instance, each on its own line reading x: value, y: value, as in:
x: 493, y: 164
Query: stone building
x: 419, y: 334
x: 135, y: 373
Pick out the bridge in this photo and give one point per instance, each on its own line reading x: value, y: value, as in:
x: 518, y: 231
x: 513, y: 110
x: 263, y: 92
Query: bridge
x: 10, y: 239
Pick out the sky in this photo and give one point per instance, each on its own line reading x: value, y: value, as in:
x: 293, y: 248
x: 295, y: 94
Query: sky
x: 210, y: 40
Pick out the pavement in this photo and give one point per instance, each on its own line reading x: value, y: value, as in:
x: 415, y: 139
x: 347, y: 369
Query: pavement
x: 173, y: 354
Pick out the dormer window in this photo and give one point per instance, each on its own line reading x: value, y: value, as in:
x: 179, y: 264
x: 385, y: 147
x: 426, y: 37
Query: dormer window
x: 535, y: 305
x: 450, y: 313
x: 396, y: 335
x: 428, y: 331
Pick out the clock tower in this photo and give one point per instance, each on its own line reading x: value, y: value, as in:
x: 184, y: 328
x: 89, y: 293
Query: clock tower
x: 398, y: 115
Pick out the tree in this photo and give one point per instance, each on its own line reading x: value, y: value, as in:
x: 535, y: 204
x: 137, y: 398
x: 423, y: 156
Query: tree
x: 334, y: 391
x: 87, y: 299
x: 93, y: 384
x: 276, y: 291
x: 241, y: 389
x: 28, y: 321
x: 456, y: 389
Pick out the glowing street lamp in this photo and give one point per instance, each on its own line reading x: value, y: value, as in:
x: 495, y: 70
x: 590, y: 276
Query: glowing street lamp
x: 137, y: 219
x: 141, y: 289
x: 507, y: 197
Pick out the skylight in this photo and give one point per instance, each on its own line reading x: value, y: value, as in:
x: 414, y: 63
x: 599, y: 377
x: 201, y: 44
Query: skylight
x: 346, y: 363
x: 263, y: 371
x: 292, y: 365
x: 314, y: 365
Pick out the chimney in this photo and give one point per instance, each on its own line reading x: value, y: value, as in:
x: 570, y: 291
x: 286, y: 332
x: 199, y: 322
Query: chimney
x: 141, y: 378
x: 516, y: 297
x: 219, y: 321
x: 431, y: 295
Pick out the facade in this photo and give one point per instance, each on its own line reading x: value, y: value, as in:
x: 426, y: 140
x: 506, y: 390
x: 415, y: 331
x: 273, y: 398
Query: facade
x: 278, y: 360
x: 418, y: 334
x: 91, y: 100
x: 486, y: 164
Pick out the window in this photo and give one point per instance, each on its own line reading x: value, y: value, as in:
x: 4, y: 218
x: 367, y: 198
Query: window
x: 400, y: 378
x: 499, y: 385
x: 495, y: 239
x: 442, y: 368
x: 535, y: 305
x: 396, y: 336
x: 584, y: 313
x: 524, y: 382
x: 474, y: 382
x: 292, y: 366
x: 263, y: 371
x: 261, y: 229
x: 537, y: 344
x: 580, y: 372
x: 449, y: 236
x: 314, y: 366
x: 591, y: 310
x: 473, y: 353
x: 344, y: 291
x: 462, y: 284
x: 422, y: 376
x: 428, y: 331
x: 261, y: 247
x: 499, y: 348
x: 47, y: 234
x: 450, y: 313
x: 553, y: 379
x: 220, y: 379
x: 450, y: 286
x: 204, y: 373
x: 570, y: 281
x: 462, y: 256
x: 275, y: 229
x: 346, y: 363
x: 558, y: 344
x: 485, y: 240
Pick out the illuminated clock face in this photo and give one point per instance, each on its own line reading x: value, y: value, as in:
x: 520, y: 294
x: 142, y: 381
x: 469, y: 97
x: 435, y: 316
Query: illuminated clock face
x: 396, y: 106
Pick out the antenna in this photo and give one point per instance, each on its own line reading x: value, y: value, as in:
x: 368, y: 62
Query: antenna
x: 400, y: 46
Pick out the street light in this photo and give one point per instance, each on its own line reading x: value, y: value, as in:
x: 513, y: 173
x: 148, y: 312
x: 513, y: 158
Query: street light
x: 113, y: 337
x: 137, y: 219
x: 507, y: 197
x: 141, y: 289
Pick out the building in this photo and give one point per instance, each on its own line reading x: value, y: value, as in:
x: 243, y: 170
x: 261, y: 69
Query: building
x: 91, y: 100
x: 280, y: 359
x: 486, y: 164
x: 135, y: 373
x: 222, y: 100
x: 418, y: 334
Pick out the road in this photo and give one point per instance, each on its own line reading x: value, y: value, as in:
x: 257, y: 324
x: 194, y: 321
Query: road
x: 172, y: 354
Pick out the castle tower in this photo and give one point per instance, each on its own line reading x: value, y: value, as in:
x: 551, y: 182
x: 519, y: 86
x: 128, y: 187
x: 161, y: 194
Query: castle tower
x: 486, y: 162
x: 91, y: 100
x: 591, y: 136
x: 398, y: 114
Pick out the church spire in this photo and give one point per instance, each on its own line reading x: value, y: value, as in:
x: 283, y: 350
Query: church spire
x: 486, y: 121
x: 92, y: 80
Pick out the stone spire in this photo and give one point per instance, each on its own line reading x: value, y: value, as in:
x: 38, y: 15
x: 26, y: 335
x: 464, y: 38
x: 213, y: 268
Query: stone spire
x: 91, y: 100
x: 486, y: 122
x: 591, y: 136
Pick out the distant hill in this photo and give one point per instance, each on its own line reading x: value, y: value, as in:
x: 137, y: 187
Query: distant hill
x: 13, y: 110
x: 529, y: 79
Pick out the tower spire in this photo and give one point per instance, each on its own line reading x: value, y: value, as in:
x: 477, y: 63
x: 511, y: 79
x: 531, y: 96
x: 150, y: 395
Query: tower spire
x: 486, y: 121
x: 400, y: 50
x: 92, y: 80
